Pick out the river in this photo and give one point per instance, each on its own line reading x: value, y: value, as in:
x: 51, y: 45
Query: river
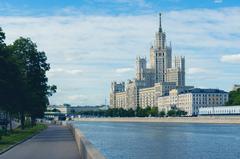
x: 128, y: 140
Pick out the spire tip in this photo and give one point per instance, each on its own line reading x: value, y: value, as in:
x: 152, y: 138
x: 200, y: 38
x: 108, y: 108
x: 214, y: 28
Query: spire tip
x: 160, y: 22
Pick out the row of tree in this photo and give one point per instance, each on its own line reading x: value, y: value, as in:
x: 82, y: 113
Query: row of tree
x: 24, y: 90
x: 234, y: 97
x: 139, y: 112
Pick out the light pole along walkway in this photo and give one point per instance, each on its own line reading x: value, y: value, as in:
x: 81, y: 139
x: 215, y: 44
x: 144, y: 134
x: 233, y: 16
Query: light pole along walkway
x: 56, y: 142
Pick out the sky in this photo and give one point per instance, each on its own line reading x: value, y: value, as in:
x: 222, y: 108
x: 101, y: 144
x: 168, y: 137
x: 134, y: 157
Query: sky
x: 90, y: 43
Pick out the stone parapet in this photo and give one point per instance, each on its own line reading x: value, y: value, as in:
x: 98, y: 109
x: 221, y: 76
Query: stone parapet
x: 86, y: 148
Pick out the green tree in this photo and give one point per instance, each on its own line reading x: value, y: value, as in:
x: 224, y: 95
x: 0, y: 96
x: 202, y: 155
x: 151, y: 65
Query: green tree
x: 234, y: 98
x: 154, y: 111
x: 131, y: 112
x: 162, y: 113
x: 140, y: 112
x: 176, y: 112
x: 171, y: 112
x: 34, y: 66
x: 147, y: 111
x: 12, y: 84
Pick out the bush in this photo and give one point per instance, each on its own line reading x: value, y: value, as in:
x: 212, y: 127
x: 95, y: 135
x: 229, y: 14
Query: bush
x: 162, y: 113
x: 176, y: 112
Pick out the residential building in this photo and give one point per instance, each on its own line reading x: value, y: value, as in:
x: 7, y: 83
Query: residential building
x: 190, y: 100
x: 147, y: 97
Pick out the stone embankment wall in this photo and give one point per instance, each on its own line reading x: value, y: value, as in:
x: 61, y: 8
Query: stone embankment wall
x: 201, y: 119
x: 86, y: 149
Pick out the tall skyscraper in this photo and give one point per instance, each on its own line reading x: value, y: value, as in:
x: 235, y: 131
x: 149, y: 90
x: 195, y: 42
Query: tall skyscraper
x: 150, y: 83
x: 160, y: 55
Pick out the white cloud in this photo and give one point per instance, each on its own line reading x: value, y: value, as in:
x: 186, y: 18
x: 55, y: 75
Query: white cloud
x: 61, y: 71
x: 217, y: 1
x: 196, y: 70
x: 235, y: 58
x: 76, y: 97
x: 124, y: 70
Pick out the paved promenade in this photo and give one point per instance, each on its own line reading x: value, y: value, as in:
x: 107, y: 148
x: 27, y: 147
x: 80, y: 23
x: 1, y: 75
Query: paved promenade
x: 56, y: 142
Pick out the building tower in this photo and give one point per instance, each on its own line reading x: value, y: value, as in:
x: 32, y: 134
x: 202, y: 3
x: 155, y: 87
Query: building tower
x: 160, y: 55
x: 180, y: 66
x: 141, y: 66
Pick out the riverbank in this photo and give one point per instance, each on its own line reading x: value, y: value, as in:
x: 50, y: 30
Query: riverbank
x: 19, y: 135
x: 210, y: 120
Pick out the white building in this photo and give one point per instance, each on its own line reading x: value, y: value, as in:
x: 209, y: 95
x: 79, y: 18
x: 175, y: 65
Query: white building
x: 220, y: 110
x: 193, y: 99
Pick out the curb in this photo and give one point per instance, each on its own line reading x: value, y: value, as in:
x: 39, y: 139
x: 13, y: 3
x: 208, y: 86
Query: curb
x: 12, y: 146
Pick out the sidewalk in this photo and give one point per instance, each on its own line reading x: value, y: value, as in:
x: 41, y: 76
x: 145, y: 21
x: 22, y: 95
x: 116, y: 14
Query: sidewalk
x: 56, y: 142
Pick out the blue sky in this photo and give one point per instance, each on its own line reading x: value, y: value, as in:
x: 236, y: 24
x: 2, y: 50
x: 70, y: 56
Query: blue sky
x: 109, y: 7
x: 90, y: 43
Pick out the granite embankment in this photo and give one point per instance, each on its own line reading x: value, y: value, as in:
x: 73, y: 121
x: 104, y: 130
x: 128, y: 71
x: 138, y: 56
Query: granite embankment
x: 86, y: 149
x: 203, y: 119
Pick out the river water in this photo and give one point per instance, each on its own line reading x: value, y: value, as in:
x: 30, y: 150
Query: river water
x: 122, y: 140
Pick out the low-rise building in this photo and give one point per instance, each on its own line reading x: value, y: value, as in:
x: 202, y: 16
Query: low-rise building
x: 64, y: 109
x: 220, y: 110
x: 68, y: 109
x: 193, y: 99
x: 148, y: 96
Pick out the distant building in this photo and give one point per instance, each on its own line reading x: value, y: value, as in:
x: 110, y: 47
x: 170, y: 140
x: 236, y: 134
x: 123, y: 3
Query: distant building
x: 190, y: 100
x: 177, y: 73
x: 152, y: 82
x: 64, y: 109
x: 67, y: 109
x: 236, y: 86
x: 220, y: 110
x: 148, y: 96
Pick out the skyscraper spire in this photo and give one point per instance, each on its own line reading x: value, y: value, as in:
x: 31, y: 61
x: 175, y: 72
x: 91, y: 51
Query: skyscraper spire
x: 160, y: 22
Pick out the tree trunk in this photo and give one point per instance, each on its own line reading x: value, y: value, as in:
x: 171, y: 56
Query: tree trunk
x: 22, y: 118
x: 33, y: 121
x: 10, y: 121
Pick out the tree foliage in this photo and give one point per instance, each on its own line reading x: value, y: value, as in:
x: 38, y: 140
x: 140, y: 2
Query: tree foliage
x: 234, y: 98
x: 120, y: 112
x: 176, y: 112
x: 23, y: 81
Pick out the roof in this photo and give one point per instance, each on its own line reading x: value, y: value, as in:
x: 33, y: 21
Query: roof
x: 200, y: 90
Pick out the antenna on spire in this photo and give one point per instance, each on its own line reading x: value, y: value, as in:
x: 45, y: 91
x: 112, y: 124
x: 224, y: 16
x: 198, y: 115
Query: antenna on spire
x: 160, y: 22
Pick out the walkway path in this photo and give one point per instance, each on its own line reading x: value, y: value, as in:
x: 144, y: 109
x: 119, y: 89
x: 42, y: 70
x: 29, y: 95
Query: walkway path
x: 56, y: 142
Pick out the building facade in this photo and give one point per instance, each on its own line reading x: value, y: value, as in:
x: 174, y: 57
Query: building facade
x: 147, y: 97
x: 177, y: 73
x: 190, y: 100
x: 152, y: 82
x: 220, y: 110
x: 162, y: 84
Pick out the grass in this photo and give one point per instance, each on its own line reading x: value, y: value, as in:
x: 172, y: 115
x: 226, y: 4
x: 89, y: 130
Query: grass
x: 18, y: 135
